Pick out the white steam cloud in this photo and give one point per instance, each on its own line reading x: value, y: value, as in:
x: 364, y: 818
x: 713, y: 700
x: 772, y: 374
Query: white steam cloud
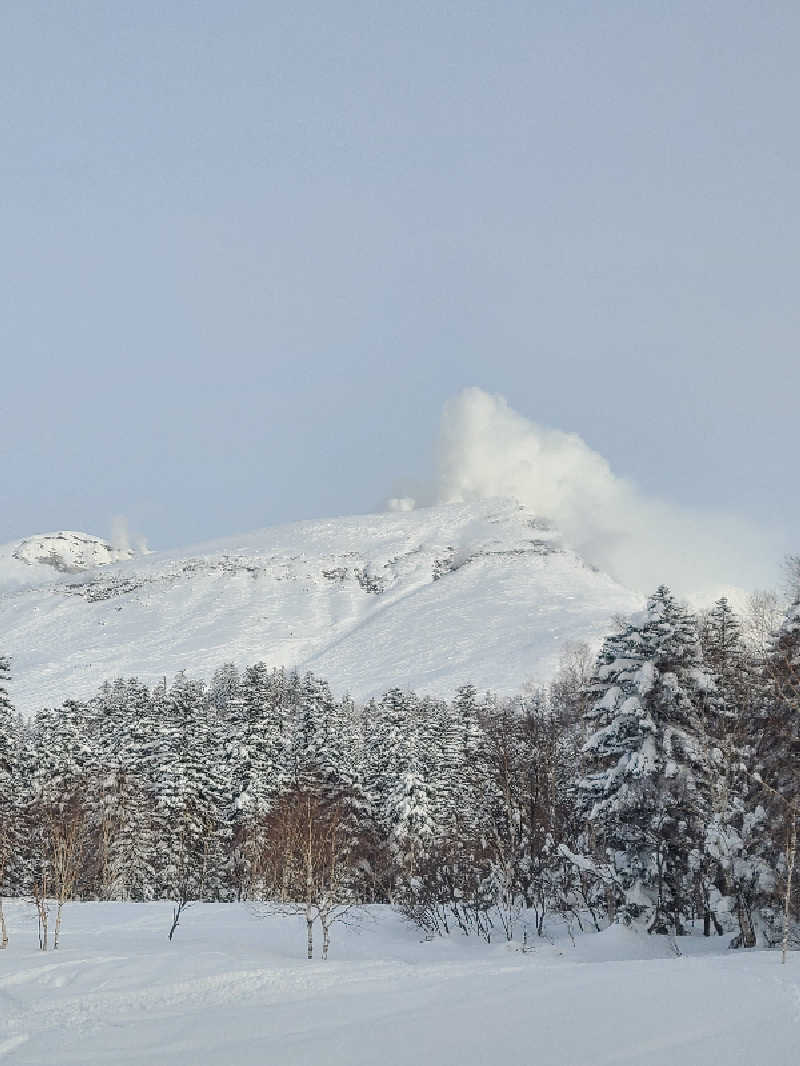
x: 120, y: 536
x: 487, y: 449
x: 401, y: 503
x: 123, y: 541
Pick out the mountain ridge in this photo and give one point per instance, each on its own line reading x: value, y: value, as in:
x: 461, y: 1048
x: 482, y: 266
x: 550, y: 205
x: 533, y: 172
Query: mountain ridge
x: 428, y: 599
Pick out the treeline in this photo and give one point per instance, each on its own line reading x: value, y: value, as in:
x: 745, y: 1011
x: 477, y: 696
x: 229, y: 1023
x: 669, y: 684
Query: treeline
x: 659, y: 784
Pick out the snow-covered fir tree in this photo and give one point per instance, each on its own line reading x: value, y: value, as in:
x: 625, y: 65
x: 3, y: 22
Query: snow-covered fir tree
x: 190, y: 796
x: 646, y: 792
x: 408, y: 817
x: 389, y: 747
x: 730, y: 856
x: 258, y: 755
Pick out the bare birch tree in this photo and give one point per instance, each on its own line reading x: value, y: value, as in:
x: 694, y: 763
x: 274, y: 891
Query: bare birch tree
x: 309, y: 861
x: 779, y: 762
x: 64, y: 823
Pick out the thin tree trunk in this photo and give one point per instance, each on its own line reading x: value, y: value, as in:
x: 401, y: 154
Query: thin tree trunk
x: 611, y: 904
x: 57, y: 929
x: 746, y: 931
x: 325, y: 938
x: 177, y: 910
x: 3, y: 928
x: 43, y: 923
x: 791, y: 856
x: 309, y: 880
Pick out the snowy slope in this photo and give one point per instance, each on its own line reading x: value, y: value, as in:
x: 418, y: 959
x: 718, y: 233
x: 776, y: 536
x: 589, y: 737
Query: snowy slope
x: 426, y: 599
x: 234, y: 990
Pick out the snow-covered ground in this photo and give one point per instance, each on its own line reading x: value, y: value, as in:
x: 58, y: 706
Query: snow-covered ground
x: 234, y: 989
x: 428, y: 599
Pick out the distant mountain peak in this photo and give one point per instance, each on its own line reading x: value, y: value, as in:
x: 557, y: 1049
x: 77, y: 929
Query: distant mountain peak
x: 69, y: 552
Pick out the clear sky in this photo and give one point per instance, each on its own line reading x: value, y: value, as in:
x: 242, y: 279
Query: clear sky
x: 248, y: 250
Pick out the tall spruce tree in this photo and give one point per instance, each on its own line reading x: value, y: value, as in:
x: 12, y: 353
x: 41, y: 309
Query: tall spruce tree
x: 127, y: 812
x: 190, y: 795
x: 729, y: 859
x: 389, y: 746
x: 646, y: 793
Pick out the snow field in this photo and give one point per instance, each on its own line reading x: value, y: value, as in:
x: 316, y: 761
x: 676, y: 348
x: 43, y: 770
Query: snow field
x: 233, y: 989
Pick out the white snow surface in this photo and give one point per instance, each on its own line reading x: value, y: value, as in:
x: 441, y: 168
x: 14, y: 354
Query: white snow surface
x: 233, y: 989
x: 426, y: 599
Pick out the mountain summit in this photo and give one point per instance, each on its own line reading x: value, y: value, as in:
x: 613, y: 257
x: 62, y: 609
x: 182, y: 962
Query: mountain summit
x: 69, y: 552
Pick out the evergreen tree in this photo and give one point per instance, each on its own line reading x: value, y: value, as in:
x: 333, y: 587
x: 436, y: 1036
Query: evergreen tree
x: 316, y: 752
x: 646, y: 794
x: 441, y: 758
x: 729, y: 864
x: 735, y: 671
x: 258, y: 751
x: 408, y: 816
x: 190, y: 796
x: 126, y: 807
x: 225, y: 687
x: 389, y: 747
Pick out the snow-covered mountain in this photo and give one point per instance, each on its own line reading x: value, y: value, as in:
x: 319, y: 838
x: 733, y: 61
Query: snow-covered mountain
x: 427, y: 599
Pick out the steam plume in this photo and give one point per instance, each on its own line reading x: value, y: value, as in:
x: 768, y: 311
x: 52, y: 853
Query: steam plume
x: 487, y: 449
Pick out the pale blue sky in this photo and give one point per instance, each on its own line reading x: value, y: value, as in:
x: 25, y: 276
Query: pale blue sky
x: 248, y: 249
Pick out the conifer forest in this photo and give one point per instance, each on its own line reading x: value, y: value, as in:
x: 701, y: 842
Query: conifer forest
x: 658, y: 786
